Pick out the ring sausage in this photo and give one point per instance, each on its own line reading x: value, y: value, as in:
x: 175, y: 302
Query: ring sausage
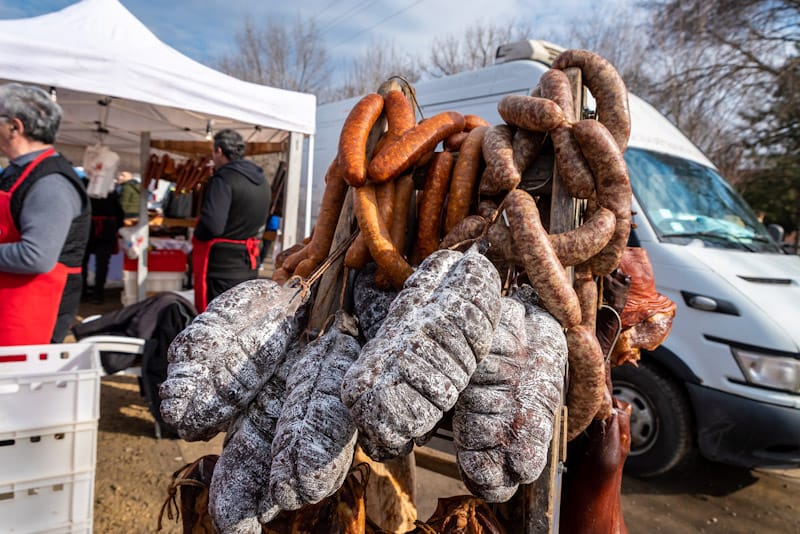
x: 532, y: 247
x: 530, y: 112
x: 613, y: 188
x: 501, y: 172
x: 353, y: 139
x: 608, y: 90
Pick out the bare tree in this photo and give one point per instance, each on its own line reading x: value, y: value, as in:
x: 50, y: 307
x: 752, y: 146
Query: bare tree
x: 289, y: 57
x: 745, y: 54
x: 473, y: 50
x: 380, y: 61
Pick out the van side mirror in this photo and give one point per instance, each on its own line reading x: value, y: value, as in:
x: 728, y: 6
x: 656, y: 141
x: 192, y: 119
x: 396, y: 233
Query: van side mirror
x: 776, y: 232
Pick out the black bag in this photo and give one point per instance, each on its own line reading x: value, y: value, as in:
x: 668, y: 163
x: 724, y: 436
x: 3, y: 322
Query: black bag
x: 157, y: 320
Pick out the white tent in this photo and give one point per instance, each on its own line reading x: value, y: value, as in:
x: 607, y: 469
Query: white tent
x: 117, y: 82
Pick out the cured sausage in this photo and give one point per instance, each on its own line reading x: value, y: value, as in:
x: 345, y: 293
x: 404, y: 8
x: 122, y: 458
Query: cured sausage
x: 357, y: 255
x: 613, y: 188
x: 526, y: 145
x: 453, y: 142
x: 353, y: 139
x: 221, y: 360
x: 429, y: 217
x: 501, y: 172
x: 424, y: 353
x: 412, y: 145
x: 503, y: 420
x: 608, y: 90
x: 473, y: 121
x: 582, y: 243
x: 403, y: 193
x: 377, y: 236
x: 332, y: 199
x: 530, y: 112
x: 532, y: 247
x: 470, y: 227
x: 315, y: 436
x: 587, y: 380
x: 399, y: 115
x: 465, y: 177
x: 554, y: 84
x: 572, y: 167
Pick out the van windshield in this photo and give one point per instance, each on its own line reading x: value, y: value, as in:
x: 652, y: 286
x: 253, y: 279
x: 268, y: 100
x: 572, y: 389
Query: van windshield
x: 686, y: 201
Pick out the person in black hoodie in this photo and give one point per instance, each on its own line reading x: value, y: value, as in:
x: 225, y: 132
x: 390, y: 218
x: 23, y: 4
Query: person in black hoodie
x: 227, y: 237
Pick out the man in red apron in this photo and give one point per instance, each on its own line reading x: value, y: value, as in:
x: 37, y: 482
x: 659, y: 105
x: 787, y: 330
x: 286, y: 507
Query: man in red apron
x: 227, y: 237
x: 44, y: 222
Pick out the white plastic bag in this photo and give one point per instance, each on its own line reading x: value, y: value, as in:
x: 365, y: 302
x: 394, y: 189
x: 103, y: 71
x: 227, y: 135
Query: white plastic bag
x: 134, y: 239
x: 100, y: 164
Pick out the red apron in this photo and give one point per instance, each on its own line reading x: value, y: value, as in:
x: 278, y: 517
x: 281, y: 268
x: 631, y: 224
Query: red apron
x: 200, y: 252
x: 28, y: 302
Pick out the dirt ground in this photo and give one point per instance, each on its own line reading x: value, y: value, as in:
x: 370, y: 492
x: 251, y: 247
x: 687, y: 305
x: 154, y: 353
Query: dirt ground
x: 134, y: 471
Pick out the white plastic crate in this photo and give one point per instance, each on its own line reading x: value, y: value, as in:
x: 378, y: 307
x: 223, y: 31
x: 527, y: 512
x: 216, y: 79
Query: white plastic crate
x: 47, y: 452
x: 157, y: 282
x: 58, y: 504
x: 48, y: 385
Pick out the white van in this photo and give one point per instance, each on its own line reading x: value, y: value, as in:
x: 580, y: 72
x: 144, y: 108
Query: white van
x: 727, y: 380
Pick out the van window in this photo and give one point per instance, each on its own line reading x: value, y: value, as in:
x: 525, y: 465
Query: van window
x: 686, y: 201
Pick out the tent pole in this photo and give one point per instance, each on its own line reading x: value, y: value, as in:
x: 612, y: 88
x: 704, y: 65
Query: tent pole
x: 309, y: 186
x: 144, y: 195
x: 291, y: 199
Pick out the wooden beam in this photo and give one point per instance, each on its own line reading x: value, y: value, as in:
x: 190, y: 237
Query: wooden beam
x: 203, y: 148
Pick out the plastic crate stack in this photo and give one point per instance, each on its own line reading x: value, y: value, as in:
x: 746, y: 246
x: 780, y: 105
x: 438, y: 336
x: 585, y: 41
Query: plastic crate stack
x: 49, y: 411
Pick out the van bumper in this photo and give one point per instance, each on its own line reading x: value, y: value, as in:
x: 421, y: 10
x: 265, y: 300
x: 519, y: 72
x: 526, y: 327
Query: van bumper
x: 739, y: 431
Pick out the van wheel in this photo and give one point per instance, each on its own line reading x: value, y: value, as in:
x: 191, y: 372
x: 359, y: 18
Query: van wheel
x: 661, y: 421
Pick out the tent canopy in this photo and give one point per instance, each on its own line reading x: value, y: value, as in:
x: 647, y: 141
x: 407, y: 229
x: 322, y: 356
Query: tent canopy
x: 111, y: 73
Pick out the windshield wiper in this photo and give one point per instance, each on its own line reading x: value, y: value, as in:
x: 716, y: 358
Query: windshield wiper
x: 722, y: 236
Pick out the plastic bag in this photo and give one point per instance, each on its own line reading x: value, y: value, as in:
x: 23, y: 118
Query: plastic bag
x: 100, y: 164
x: 134, y: 239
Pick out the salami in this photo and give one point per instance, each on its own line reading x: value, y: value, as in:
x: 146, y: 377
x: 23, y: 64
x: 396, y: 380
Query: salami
x: 424, y: 353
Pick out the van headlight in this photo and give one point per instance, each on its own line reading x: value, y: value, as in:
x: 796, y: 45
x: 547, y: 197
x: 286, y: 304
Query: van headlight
x: 769, y: 371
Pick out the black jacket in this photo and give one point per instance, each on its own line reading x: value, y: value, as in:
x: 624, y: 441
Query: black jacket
x: 236, y: 206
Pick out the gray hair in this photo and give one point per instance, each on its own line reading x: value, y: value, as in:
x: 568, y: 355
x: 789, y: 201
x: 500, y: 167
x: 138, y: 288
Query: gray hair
x: 231, y: 143
x: 40, y: 116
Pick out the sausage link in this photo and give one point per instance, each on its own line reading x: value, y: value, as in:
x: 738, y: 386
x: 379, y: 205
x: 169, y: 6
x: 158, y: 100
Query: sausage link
x: 530, y: 112
x: 453, y: 143
x: 473, y: 121
x: 607, y: 87
x: 572, y: 167
x: 403, y: 193
x: 330, y: 207
x: 377, y: 236
x: 532, y: 247
x: 499, y: 237
x: 613, y: 188
x: 357, y: 255
x: 429, y: 217
x: 501, y: 172
x: 586, y: 379
x: 412, y: 145
x: 353, y: 139
x: 582, y: 243
x: 470, y: 227
x: 399, y: 114
x: 465, y: 177
x: 554, y: 85
x: 486, y: 209
x: 526, y: 145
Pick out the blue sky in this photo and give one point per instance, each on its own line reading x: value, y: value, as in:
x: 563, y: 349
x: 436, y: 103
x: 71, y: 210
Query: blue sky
x: 205, y: 29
